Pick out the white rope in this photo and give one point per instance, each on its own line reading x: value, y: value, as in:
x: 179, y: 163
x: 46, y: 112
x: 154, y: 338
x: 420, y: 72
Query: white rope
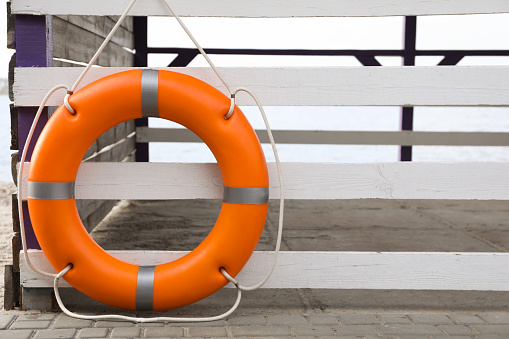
x: 227, y: 116
x: 20, y: 179
x: 136, y: 319
x: 281, y: 198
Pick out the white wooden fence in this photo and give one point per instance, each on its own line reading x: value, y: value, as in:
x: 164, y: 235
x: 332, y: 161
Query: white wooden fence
x: 287, y: 86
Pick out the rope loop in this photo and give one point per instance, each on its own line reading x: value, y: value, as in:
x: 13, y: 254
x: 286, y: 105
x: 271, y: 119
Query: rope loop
x: 232, y: 107
x: 67, y: 104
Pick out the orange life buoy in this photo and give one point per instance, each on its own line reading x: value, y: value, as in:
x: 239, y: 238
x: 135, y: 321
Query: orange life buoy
x: 113, y: 100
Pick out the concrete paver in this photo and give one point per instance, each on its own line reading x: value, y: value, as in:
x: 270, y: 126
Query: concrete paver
x: 19, y: 325
x: 496, y: 318
x: 261, y: 331
x: 247, y: 320
x: 430, y: 319
x: 18, y: 334
x: 313, y: 330
x: 37, y: 316
x: 395, y: 319
x: 283, y: 319
x: 398, y: 330
x: 492, y: 329
x: 164, y: 332
x: 6, y: 320
x: 200, y: 324
x: 207, y: 332
x: 64, y: 321
x: 359, y: 319
x: 93, y: 333
x: 113, y: 324
x: 355, y: 330
x: 323, y: 319
x: 456, y: 330
x: 466, y: 319
x: 60, y: 333
x: 126, y: 332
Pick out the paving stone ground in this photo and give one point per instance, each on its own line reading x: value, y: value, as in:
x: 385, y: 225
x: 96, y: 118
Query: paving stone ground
x: 359, y: 324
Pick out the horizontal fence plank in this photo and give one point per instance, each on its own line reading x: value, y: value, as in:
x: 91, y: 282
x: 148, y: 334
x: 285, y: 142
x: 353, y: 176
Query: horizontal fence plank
x: 406, y: 138
x: 263, y: 8
x: 154, y: 181
x: 340, y: 270
x: 310, y: 86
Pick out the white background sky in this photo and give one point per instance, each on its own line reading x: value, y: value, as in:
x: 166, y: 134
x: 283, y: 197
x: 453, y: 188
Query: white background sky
x: 439, y: 32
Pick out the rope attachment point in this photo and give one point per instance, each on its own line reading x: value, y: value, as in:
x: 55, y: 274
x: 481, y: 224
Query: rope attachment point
x: 232, y: 107
x: 67, y: 104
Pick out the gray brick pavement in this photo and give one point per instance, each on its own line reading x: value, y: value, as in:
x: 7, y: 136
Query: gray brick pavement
x: 360, y: 324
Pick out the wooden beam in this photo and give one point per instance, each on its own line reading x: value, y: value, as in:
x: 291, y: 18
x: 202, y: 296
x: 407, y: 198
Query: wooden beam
x: 263, y: 8
x: 147, y: 134
x: 339, y: 270
x: 154, y: 181
x: 309, y: 86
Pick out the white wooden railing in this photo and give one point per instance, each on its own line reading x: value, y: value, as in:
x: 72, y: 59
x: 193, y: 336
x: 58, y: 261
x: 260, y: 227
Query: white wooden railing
x: 321, y: 86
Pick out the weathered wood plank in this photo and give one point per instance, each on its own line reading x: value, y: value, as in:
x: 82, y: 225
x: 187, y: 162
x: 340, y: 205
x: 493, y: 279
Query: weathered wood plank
x: 322, y: 86
x: 147, y: 134
x: 73, y: 42
x: 341, y: 270
x: 154, y: 181
x: 264, y: 8
x: 102, y: 26
x: 11, y: 37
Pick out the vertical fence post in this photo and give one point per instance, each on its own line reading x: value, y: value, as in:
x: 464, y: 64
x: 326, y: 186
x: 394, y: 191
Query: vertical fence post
x: 34, y: 48
x: 141, y: 60
x: 407, y: 113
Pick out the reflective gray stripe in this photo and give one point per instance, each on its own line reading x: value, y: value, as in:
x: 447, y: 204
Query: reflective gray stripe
x: 246, y: 195
x: 50, y: 190
x: 149, y: 86
x: 145, y: 288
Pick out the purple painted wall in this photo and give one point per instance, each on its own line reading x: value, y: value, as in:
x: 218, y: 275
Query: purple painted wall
x: 34, y: 48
